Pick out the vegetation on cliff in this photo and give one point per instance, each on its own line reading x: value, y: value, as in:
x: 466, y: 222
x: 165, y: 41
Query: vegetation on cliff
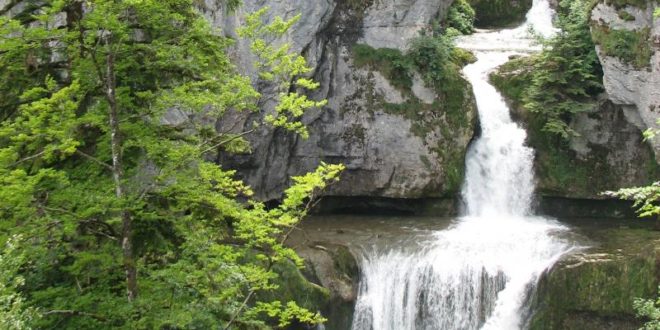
x: 434, y: 57
x: 563, y: 79
x: 647, y: 202
x: 634, y: 47
x: 500, y: 13
x: 460, y: 18
x: 555, y: 93
x: 547, y: 90
x: 112, y: 213
x: 647, y: 199
x: 567, y: 74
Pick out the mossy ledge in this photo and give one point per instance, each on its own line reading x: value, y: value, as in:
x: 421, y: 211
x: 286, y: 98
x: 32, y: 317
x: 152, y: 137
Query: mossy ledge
x: 595, y: 289
x: 630, y: 46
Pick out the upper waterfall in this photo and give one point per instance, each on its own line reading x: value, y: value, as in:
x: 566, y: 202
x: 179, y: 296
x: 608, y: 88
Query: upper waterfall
x: 520, y: 39
x: 499, y: 168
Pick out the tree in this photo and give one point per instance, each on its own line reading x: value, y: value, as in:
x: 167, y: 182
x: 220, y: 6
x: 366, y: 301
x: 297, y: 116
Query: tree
x: 567, y: 73
x: 14, y: 315
x: 126, y: 221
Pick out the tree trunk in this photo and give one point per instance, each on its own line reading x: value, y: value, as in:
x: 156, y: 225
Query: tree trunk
x: 117, y: 176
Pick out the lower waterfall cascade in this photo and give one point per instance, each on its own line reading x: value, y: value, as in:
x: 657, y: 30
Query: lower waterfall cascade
x: 480, y: 272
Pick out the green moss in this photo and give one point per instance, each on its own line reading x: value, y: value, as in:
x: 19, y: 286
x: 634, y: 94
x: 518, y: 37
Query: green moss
x: 454, y: 167
x: 631, y: 46
x: 618, y: 4
x: 625, y: 15
x: 396, y: 67
x: 358, y: 5
x: 345, y: 262
x: 558, y: 169
x: 439, y: 63
x: 425, y: 160
x: 500, y: 13
x: 293, y: 286
x: 463, y: 57
x: 604, y: 284
x: 355, y: 133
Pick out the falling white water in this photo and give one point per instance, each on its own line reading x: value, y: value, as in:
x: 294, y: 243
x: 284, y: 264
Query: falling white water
x: 480, y: 272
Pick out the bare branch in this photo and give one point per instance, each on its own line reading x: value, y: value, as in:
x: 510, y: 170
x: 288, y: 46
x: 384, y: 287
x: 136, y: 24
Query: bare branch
x: 94, y: 159
x: 227, y: 141
x: 75, y: 313
x: 28, y: 158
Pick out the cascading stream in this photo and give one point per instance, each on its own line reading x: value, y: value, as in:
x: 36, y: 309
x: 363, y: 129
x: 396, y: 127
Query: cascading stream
x: 480, y: 272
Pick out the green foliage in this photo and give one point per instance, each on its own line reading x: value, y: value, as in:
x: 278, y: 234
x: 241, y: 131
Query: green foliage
x: 618, y: 4
x: 202, y: 247
x: 625, y: 15
x: 513, y: 77
x: 279, y: 66
x: 395, y: 66
x: 648, y: 309
x: 567, y: 74
x: 631, y: 46
x: 14, y: 314
x: 647, y: 199
x: 432, y: 56
x: 500, y: 13
x: 461, y: 17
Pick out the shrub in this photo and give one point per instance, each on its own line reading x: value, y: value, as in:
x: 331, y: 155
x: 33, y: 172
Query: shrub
x: 461, y: 17
x: 567, y: 74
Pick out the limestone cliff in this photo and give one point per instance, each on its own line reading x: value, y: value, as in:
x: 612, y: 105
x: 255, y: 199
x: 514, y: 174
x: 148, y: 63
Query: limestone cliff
x: 627, y: 37
x: 394, y: 142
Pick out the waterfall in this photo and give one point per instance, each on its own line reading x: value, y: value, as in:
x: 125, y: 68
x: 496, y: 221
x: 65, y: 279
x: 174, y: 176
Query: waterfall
x: 477, y: 274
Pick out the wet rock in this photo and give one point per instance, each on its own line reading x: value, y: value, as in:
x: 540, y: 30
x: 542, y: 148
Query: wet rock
x: 595, y: 289
x: 335, y: 268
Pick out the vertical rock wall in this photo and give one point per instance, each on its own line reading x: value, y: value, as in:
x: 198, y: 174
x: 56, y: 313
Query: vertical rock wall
x: 369, y: 125
x: 628, y: 43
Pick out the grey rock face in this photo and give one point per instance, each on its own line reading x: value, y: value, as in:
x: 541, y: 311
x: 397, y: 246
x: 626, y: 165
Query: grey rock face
x: 626, y: 85
x: 385, y: 152
x: 610, y: 140
x: 392, y: 23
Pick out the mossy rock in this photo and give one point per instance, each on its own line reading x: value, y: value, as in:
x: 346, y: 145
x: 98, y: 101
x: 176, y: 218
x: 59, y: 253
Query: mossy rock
x: 293, y: 286
x: 500, y: 13
x: 561, y: 172
x: 335, y: 268
x: 618, y: 4
x: 634, y: 47
x: 439, y: 123
x: 596, y: 289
